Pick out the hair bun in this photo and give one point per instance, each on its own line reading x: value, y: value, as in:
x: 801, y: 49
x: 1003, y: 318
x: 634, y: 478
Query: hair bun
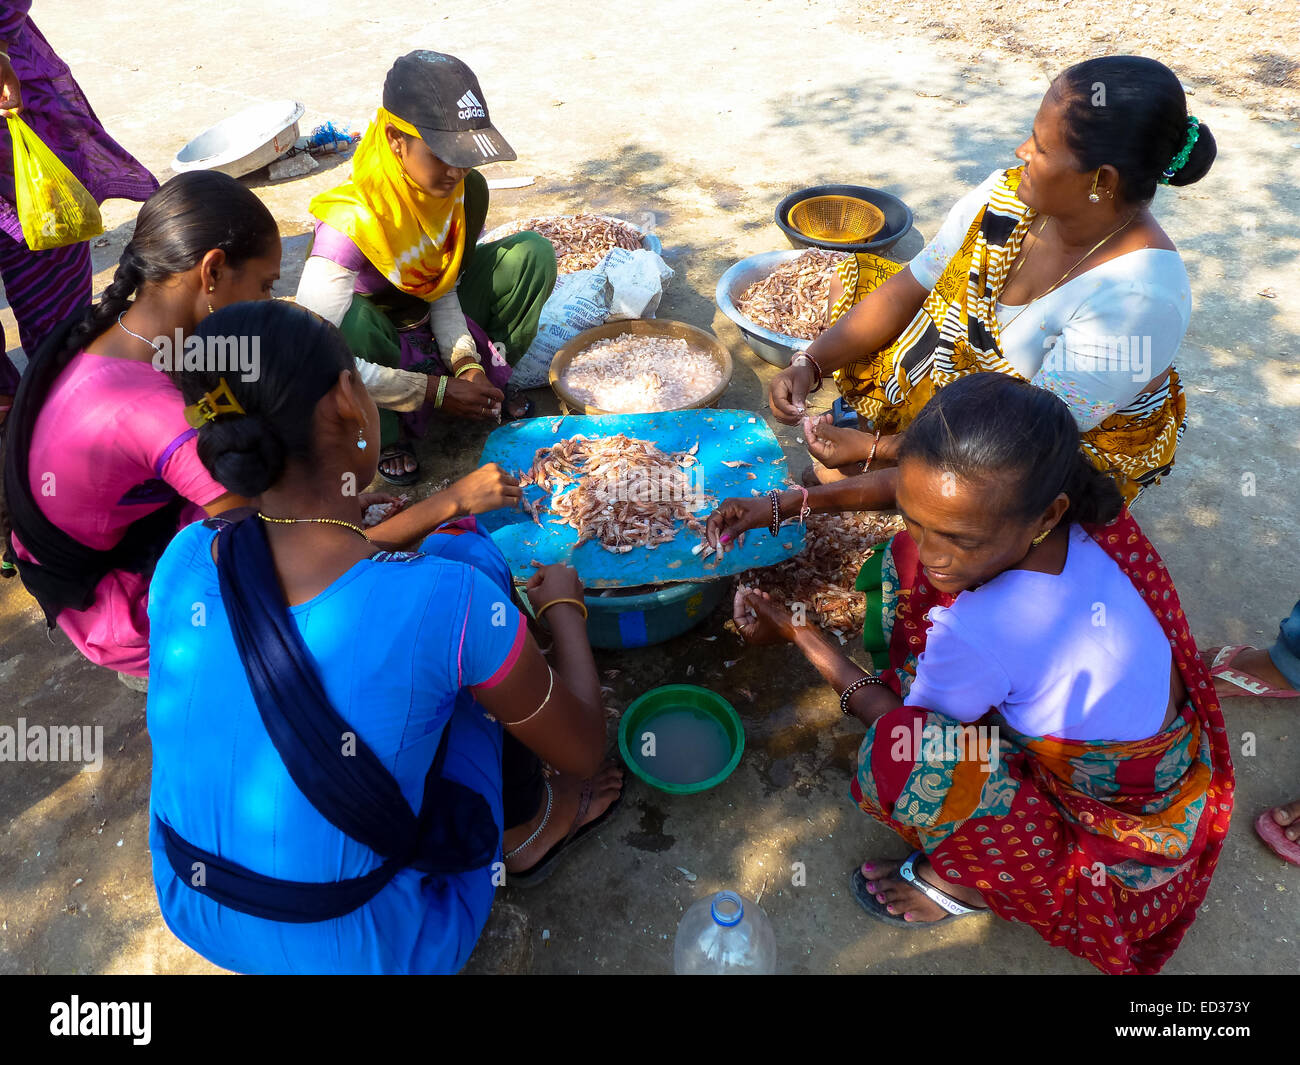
x: 243, y: 452
x: 1095, y: 499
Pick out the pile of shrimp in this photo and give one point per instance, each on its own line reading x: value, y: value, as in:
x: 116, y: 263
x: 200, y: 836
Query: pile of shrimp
x: 823, y: 575
x: 620, y: 492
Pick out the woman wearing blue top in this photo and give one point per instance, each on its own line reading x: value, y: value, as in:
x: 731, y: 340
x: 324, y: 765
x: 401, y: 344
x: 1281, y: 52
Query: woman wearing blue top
x: 275, y: 853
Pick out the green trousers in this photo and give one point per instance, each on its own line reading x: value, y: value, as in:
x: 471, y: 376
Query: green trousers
x: 502, y: 288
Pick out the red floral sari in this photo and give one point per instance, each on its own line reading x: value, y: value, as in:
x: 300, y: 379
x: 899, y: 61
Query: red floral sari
x: 1105, y: 849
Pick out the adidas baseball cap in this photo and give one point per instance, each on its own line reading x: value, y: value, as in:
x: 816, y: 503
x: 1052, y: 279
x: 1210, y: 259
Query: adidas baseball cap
x: 439, y: 96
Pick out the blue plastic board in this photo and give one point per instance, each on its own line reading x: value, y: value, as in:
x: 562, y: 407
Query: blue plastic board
x: 721, y: 434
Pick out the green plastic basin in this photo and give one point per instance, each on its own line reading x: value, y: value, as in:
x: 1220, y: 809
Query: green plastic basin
x: 673, y: 697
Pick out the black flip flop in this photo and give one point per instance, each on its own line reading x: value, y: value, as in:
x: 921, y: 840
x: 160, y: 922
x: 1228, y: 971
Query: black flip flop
x: 399, y: 451
x: 545, y: 866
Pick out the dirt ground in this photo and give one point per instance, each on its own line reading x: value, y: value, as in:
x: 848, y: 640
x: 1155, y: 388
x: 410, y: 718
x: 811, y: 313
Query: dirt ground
x: 700, y: 117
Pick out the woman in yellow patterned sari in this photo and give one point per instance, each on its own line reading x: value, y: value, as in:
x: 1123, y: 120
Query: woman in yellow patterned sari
x: 1054, y: 272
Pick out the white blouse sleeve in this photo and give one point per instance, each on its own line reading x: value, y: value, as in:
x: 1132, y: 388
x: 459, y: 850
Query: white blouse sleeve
x: 447, y: 320
x: 326, y: 288
x: 931, y: 260
x: 954, y: 676
x: 1111, y: 348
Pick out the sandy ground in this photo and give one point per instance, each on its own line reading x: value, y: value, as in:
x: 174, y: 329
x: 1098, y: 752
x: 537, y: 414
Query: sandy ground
x: 704, y: 115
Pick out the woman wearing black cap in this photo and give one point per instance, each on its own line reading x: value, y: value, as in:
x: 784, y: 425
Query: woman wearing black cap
x: 393, y: 244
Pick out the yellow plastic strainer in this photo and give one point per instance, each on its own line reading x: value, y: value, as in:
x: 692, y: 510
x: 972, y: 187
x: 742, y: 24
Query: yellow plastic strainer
x: 838, y: 219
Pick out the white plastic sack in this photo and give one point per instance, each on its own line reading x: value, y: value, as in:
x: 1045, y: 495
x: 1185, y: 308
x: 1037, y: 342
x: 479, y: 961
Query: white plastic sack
x: 626, y: 284
x: 636, y: 280
x: 579, y: 301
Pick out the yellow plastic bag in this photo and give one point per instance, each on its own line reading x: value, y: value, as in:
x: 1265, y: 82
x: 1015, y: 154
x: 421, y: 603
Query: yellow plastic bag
x: 53, y: 206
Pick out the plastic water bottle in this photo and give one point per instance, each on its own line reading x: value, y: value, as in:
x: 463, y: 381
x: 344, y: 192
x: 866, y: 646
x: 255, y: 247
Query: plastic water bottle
x: 725, y: 934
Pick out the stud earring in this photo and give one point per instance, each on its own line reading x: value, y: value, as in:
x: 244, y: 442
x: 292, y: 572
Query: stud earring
x: 1092, y: 196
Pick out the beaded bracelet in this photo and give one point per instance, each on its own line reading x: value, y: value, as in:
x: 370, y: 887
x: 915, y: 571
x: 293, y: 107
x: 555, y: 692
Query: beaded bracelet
x: 775, y: 496
x: 844, y: 697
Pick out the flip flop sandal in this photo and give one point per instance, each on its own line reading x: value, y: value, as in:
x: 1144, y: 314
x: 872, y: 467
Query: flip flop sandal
x: 545, y: 866
x: 907, y: 871
x: 398, y: 451
x: 1274, y: 835
x: 1221, y: 667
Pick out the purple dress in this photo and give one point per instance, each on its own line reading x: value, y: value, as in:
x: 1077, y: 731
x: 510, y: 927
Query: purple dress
x: 45, y: 287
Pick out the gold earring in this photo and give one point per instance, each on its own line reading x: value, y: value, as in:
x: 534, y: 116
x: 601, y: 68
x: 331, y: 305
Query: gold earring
x: 210, y: 310
x: 1092, y: 196
x: 1041, y: 537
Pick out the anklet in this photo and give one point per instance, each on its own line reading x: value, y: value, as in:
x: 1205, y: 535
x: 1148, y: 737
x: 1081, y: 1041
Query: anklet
x: 546, y: 817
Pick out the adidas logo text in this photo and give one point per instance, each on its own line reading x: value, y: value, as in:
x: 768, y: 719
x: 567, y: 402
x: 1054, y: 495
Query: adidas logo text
x: 470, y: 107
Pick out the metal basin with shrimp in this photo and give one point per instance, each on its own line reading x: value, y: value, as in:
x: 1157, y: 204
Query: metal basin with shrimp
x: 768, y: 345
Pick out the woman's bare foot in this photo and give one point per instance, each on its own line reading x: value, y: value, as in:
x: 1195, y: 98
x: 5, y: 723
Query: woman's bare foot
x: 816, y: 474
x: 1288, y: 816
x: 836, y: 446
x: 1257, y: 663
x: 605, y: 788
x: 902, y: 899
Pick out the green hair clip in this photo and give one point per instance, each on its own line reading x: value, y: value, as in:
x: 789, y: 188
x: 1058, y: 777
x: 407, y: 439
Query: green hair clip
x: 1180, y: 160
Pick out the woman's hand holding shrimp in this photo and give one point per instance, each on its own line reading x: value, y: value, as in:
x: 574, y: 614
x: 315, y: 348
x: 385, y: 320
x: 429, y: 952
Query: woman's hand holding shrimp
x: 487, y: 488
x: 787, y: 395
x: 734, y: 517
x: 557, y: 581
x: 759, y: 620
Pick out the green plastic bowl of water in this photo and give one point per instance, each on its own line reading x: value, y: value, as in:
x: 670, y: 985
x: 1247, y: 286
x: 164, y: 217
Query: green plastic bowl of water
x: 646, y: 708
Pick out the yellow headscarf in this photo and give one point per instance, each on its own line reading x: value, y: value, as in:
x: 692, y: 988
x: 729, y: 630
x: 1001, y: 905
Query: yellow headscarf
x: 414, y: 239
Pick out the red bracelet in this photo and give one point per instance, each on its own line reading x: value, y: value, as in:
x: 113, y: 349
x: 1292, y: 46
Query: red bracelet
x: 804, y: 509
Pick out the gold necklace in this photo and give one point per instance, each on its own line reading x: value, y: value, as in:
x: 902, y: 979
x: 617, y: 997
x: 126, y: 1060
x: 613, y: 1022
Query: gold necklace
x: 322, y: 521
x: 1077, y: 263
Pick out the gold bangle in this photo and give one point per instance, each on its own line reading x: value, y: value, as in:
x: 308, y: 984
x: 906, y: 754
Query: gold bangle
x: 576, y: 602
